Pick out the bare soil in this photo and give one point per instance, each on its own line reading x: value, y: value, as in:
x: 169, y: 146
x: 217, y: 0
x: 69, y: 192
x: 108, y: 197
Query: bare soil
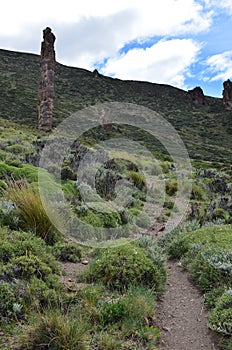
x: 181, y: 315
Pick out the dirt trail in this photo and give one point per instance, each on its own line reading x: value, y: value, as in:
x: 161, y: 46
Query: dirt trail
x: 181, y: 315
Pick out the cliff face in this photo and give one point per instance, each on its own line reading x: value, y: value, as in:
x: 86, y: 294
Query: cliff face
x: 46, y: 84
x: 227, y: 95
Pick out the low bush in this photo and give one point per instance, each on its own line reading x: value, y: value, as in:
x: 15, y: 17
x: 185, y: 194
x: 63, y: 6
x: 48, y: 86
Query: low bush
x: 135, y: 305
x: 10, y: 306
x: 129, y: 265
x: 16, y: 244
x: 210, y: 268
x: 220, y: 318
x: 171, y: 187
x: 100, y: 215
x: 28, y: 266
x: 143, y: 220
x: 67, y: 252
x: 211, y: 236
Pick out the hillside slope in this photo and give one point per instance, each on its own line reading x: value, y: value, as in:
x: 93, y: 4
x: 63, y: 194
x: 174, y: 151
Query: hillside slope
x: 206, y: 130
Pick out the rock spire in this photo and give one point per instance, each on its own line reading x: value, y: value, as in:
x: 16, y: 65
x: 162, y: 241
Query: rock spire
x: 227, y: 94
x: 46, y: 91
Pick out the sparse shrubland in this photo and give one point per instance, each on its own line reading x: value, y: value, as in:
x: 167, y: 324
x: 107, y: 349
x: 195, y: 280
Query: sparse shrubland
x: 115, y: 308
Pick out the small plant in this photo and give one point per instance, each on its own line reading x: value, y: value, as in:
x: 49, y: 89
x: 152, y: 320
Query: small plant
x: 220, y: 318
x: 112, y: 312
x: 67, y: 252
x: 171, y: 187
x: 9, y: 306
x: 211, y: 268
x: 142, y: 220
x: 106, y: 341
x: 31, y: 213
x: 28, y: 266
x: 138, y: 179
x: 56, y: 331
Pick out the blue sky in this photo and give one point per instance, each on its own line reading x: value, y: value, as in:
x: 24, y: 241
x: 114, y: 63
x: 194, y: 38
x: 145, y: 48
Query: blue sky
x: 183, y: 43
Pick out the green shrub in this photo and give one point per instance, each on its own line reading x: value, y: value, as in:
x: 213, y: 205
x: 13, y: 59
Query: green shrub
x: 211, y: 268
x: 138, y: 179
x: 212, y: 236
x: 153, y: 251
x: 137, y: 304
x: 220, y: 318
x: 143, y: 220
x: 3, y: 186
x: 28, y: 266
x: 171, y: 187
x: 139, y: 217
x: 10, y: 306
x: 197, y: 193
x: 212, y: 296
x: 8, y: 215
x: 16, y: 244
x: 112, y: 312
x: 178, y: 246
x: 67, y: 252
x: 123, y: 266
x: 101, y: 215
x: 40, y: 295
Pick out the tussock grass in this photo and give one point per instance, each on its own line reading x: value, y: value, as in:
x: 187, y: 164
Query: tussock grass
x: 31, y: 212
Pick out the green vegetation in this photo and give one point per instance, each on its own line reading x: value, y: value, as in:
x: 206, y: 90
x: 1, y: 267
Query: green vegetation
x: 202, y: 128
x: 129, y: 266
x: 207, y: 254
x: 115, y: 306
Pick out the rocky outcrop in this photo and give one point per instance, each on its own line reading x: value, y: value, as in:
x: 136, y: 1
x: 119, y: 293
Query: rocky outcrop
x: 96, y: 74
x: 197, y: 96
x: 227, y: 94
x: 105, y: 120
x: 46, y: 84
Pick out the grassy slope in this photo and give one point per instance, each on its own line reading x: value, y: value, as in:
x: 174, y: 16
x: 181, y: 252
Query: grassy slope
x: 206, y: 130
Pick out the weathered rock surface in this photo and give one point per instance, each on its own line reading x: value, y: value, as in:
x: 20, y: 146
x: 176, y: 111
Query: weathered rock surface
x: 46, y: 84
x: 197, y: 96
x: 227, y: 94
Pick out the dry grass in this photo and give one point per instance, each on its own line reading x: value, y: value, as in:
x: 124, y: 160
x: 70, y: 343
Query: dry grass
x: 30, y: 210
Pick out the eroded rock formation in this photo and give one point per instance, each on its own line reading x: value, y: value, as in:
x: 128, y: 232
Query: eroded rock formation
x: 227, y: 94
x: 96, y: 74
x: 197, y: 96
x: 46, y: 84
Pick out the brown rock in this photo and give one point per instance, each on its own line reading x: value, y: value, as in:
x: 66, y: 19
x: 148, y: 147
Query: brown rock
x: 105, y: 120
x: 227, y: 94
x: 197, y: 96
x: 46, y: 91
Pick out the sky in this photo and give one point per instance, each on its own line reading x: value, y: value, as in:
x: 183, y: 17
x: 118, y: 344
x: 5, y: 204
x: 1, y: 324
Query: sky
x: 183, y: 43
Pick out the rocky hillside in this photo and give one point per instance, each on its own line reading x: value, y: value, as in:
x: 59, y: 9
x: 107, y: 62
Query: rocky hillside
x: 206, y: 129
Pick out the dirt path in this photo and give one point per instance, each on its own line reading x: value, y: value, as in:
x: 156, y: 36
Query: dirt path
x: 181, y: 315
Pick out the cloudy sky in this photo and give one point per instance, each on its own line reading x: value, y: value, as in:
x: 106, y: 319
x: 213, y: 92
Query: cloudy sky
x: 183, y: 43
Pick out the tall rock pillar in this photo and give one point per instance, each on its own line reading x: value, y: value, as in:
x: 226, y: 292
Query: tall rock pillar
x: 227, y: 94
x: 46, y: 83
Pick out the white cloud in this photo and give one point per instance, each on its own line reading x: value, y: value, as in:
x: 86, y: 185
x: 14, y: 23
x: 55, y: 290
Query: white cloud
x: 145, y: 18
x: 220, y: 66
x: 99, y: 37
x: 89, y: 31
x: 225, y: 5
x: 165, y: 62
